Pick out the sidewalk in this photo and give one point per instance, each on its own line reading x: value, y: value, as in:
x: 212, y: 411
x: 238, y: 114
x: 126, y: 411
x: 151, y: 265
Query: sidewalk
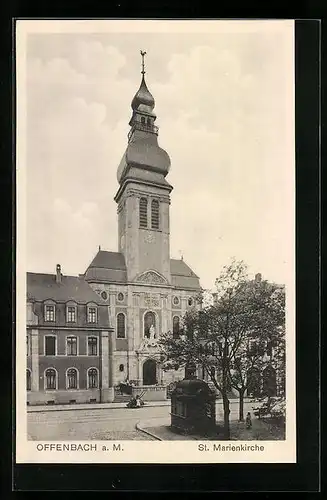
x: 159, y: 428
x: 90, y: 406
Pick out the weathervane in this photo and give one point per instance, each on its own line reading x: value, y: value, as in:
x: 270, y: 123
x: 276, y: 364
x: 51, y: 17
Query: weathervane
x: 142, y: 54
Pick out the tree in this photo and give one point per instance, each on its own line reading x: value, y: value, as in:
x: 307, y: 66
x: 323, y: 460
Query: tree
x: 260, y: 335
x: 216, y: 336
x: 209, y: 337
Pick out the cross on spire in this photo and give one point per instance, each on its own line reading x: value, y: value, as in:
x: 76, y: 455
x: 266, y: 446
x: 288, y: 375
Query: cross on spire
x: 143, y: 53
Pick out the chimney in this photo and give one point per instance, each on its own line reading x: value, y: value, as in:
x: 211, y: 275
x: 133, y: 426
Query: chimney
x: 258, y: 277
x: 58, y: 273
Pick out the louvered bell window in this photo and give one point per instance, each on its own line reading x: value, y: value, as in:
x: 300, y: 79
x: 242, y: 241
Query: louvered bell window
x: 143, y: 212
x: 155, y: 214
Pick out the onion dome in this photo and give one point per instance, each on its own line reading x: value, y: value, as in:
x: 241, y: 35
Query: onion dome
x: 144, y: 161
x: 143, y: 99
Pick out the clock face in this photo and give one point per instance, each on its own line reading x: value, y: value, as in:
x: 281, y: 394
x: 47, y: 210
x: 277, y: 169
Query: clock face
x: 149, y: 238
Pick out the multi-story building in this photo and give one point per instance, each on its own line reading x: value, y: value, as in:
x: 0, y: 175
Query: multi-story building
x: 68, y: 341
x: 87, y: 334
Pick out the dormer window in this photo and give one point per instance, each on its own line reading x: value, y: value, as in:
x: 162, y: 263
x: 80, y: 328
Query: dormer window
x: 49, y: 312
x: 71, y: 314
x: 91, y: 314
x: 143, y: 212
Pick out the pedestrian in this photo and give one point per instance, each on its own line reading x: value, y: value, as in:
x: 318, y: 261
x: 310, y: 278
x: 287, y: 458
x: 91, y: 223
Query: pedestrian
x: 248, y: 421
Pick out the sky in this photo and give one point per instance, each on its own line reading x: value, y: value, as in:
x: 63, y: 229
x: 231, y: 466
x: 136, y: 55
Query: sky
x: 224, y: 106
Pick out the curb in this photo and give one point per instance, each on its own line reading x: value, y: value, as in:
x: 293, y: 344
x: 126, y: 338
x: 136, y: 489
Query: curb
x: 139, y: 428
x: 61, y: 408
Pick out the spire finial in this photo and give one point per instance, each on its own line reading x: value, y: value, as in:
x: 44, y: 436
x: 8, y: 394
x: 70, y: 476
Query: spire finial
x: 143, y: 53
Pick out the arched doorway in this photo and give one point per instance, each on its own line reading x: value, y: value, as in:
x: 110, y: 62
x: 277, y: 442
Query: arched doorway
x: 149, y: 372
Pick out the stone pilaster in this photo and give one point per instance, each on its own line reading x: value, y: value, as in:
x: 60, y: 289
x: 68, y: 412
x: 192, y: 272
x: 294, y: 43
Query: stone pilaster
x: 137, y: 335
x: 112, y: 318
x: 105, y: 359
x: 35, y: 360
x: 165, y: 320
x: 130, y: 321
x: 107, y: 392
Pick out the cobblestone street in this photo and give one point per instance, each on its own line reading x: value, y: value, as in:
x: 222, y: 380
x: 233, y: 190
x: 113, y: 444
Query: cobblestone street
x: 110, y: 424
x: 106, y: 424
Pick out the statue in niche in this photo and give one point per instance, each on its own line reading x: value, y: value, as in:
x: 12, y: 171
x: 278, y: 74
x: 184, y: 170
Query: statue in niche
x: 149, y: 324
x: 152, y: 332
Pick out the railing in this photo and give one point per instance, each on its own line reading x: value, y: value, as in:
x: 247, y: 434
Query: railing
x: 153, y: 129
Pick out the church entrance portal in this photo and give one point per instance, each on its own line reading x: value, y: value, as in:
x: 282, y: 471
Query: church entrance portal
x: 149, y: 372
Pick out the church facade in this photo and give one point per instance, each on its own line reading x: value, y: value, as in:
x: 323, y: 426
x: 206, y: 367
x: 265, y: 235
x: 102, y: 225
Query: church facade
x: 141, y: 289
x: 147, y: 291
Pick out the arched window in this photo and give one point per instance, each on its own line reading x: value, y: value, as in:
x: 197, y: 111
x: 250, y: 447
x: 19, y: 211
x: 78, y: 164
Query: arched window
x: 175, y: 326
x: 50, y: 379
x: 143, y: 212
x: 190, y: 301
x: 92, y: 377
x: 28, y: 380
x: 149, y: 122
x: 121, y: 326
x: 149, y: 324
x: 155, y: 214
x: 72, y: 378
x: 143, y: 120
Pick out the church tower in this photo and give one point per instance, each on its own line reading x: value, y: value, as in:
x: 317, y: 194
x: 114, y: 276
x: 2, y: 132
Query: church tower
x: 143, y: 197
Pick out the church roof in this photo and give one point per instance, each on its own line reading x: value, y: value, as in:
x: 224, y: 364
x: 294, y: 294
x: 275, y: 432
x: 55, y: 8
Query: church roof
x: 110, y: 267
x: 41, y: 287
x: 179, y: 268
x: 110, y: 260
x: 182, y: 275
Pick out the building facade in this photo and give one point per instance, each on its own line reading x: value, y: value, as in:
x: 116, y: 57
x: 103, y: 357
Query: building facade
x: 148, y: 292
x: 87, y: 334
x: 68, y: 341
